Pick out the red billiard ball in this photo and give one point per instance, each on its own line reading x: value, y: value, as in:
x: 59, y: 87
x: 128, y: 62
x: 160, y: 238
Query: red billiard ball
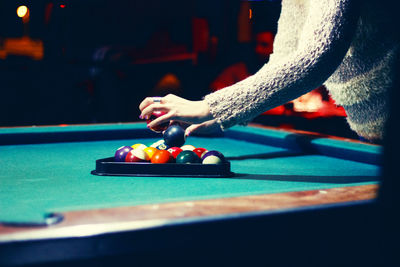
x: 137, y: 155
x: 174, y: 151
x: 200, y: 151
x: 160, y: 127
x: 162, y: 156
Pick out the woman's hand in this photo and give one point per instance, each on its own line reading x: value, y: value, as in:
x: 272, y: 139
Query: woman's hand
x: 179, y: 109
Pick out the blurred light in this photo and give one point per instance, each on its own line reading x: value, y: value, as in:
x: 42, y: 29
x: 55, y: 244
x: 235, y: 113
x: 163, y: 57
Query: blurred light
x: 250, y: 13
x: 310, y: 102
x: 62, y: 6
x: 22, y: 11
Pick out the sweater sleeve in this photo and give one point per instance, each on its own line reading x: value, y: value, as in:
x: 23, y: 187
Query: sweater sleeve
x: 323, y: 42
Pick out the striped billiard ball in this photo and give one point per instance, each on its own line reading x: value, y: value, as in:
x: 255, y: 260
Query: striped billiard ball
x: 213, y: 157
x: 160, y: 145
x: 137, y: 155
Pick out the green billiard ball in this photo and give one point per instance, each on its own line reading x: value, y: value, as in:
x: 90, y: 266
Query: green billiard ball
x: 187, y: 156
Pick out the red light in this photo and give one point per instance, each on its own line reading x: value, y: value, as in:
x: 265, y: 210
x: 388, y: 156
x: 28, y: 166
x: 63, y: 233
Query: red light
x: 62, y: 6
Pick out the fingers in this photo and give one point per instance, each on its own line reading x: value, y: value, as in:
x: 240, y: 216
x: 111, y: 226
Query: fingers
x: 154, y: 102
x: 192, y: 128
x: 157, y: 99
x: 147, y: 111
x: 176, y: 108
x: 206, y: 127
x: 164, y: 118
x: 146, y: 102
x: 151, y: 100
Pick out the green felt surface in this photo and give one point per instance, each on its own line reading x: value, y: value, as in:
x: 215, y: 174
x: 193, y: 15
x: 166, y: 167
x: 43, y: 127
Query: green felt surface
x: 36, y: 179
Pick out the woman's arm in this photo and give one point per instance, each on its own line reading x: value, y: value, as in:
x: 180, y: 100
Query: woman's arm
x: 325, y: 38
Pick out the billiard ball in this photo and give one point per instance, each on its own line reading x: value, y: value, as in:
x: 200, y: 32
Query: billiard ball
x: 150, y: 151
x: 162, y: 156
x: 174, y: 151
x: 157, y: 143
x: 160, y: 145
x: 213, y: 157
x: 187, y: 156
x: 141, y: 146
x: 187, y: 147
x: 174, y: 136
x: 200, y: 151
x: 136, y: 155
x: 160, y: 127
x: 121, y: 153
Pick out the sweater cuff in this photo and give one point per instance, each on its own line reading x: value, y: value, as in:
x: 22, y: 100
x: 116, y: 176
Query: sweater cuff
x: 223, y: 107
x: 212, y: 103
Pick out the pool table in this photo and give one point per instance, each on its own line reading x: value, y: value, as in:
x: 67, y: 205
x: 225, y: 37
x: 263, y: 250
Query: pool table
x: 294, y: 197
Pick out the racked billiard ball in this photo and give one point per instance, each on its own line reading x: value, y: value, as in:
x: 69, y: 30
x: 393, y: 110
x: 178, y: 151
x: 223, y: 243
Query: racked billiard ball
x: 187, y: 147
x: 150, y: 151
x: 162, y: 156
x: 139, y: 145
x: 174, y: 151
x: 187, y: 156
x: 160, y: 127
x: 213, y: 157
x: 121, y: 153
x: 136, y: 155
x: 174, y: 136
x: 160, y: 145
x: 200, y: 151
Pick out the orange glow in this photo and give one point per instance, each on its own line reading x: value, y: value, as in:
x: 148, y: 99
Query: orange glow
x: 250, y: 13
x: 23, y: 46
x: 22, y: 11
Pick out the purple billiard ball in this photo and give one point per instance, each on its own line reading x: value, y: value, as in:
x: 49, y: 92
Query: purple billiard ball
x: 121, y: 153
x: 213, y: 157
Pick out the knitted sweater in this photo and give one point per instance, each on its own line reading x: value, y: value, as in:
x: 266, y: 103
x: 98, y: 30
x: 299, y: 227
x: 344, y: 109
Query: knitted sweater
x: 350, y: 45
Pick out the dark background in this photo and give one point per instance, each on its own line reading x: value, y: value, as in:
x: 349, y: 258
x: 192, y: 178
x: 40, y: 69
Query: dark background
x: 72, y: 84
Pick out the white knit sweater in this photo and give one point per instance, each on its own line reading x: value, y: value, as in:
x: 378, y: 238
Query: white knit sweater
x: 350, y: 45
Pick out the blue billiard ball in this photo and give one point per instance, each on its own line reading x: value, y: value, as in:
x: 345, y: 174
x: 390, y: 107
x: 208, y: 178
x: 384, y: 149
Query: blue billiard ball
x: 213, y: 157
x: 121, y: 153
x: 174, y: 136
